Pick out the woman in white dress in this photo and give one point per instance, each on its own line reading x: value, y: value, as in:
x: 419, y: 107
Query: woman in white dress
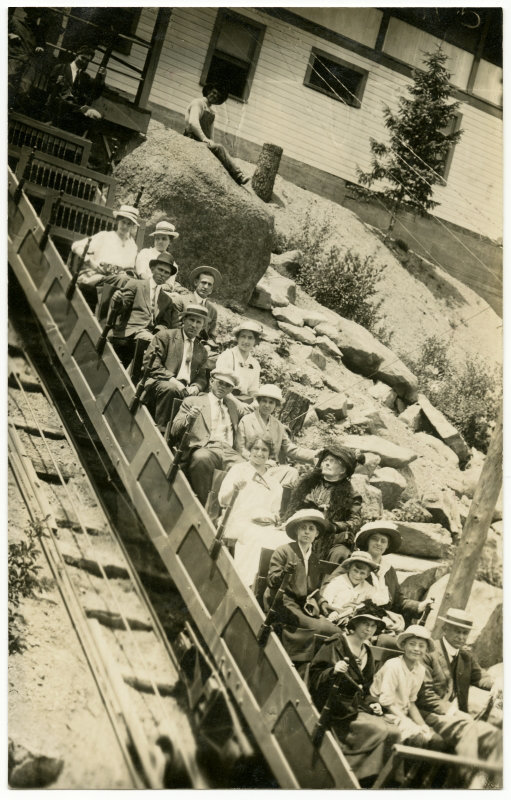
x: 240, y: 360
x: 255, y: 514
x: 162, y: 236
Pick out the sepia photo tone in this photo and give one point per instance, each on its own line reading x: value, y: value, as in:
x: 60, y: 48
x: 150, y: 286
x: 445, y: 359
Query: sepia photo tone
x: 255, y: 397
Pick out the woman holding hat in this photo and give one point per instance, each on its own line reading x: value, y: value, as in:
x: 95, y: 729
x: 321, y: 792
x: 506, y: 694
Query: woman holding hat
x: 163, y: 234
x: 241, y: 360
x: 109, y: 252
x: 328, y: 488
x: 303, y: 528
x: 255, y: 512
x: 356, y: 716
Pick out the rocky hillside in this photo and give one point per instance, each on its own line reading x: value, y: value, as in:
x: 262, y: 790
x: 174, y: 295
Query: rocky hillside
x: 418, y: 468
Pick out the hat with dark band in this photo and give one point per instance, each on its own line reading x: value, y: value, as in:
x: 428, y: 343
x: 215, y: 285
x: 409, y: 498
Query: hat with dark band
x: 194, y: 274
x: 359, y: 557
x: 128, y: 212
x: 166, y: 258
x: 386, y: 528
x: 165, y: 228
x: 459, y: 618
x: 226, y: 375
x: 195, y: 310
x: 307, y: 515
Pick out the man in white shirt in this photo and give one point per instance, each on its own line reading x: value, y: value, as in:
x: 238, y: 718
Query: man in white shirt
x: 210, y: 444
x: 179, y: 367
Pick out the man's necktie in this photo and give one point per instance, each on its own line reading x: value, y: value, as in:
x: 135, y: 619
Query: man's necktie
x: 453, y: 665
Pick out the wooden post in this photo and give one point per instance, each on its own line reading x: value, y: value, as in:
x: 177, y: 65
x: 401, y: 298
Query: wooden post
x: 266, y: 171
x: 153, y: 57
x: 473, y: 538
x: 294, y: 410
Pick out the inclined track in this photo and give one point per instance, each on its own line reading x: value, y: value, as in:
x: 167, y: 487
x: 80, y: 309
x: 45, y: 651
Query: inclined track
x: 124, y: 645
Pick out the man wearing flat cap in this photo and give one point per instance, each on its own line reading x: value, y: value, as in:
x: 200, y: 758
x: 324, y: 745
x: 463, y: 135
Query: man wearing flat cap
x: 210, y: 444
x: 145, y: 306
x: 179, y: 367
x: 443, y: 701
x: 73, y: 91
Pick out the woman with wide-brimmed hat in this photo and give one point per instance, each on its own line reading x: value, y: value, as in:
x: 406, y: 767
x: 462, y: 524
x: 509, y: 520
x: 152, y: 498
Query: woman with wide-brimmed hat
x: 299, y: 611
x: 380, y: 539
x: 110, y: 252
x: 328, y: 488
x: 356, y: 717
x: 240, y: 359
x: 163, y: 235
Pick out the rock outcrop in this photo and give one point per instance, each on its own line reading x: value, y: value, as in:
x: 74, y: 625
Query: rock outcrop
x: 391, y: 455
x: 219, y: 222
x: 447, y: 432
x: 487, y: 647
x: 423, y: 539
x: 391, y: 484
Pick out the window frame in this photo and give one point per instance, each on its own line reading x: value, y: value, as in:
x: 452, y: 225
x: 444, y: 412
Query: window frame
x: 364, y: 74
x: 222, y: 15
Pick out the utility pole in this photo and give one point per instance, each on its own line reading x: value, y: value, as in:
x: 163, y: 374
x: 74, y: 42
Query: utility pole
x: 475, y: 532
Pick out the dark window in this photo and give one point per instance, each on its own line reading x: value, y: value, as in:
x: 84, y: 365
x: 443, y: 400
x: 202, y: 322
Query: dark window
x: 336, y: 78
x: 453, y: 126
x: 233, y: 53
x: 107, y: 23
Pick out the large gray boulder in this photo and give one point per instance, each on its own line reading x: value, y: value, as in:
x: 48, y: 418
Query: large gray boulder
x: 490, y: 563
x: 287, y: 263
x: 273, y: 290
x: 391, y: 455
x: 423, y: 539
x: 443, y: 507
x: 445, y: 430
x: 290, y: 314
x: 220, y: 223
x: 302, y: 335
x: 335, y: 405
x: 372, y: 505
x: 487, y: 647
x: 391, y: 484
x: 363, y: 353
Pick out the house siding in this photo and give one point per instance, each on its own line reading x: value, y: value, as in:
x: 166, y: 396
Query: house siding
x: 316, y: 129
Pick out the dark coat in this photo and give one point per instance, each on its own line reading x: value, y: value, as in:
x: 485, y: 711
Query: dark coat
x: 82, y: 92
x: 199, y: 434
x: 348, y: 701
x: 137, y: 314
x: 208, y: 332
x: 168, y: 345
x: 300, y: 584
x: 467, y: 673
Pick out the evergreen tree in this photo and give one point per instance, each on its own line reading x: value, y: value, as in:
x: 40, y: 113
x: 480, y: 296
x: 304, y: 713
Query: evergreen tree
x: 412, y: 163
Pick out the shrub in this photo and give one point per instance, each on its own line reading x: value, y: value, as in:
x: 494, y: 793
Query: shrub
x: 343, y: 282
x: 273, y: 368
x: 467, y: 394
x: 22, y: 580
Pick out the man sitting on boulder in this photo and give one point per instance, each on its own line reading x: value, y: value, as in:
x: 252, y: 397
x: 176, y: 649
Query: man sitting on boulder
x: 264, y: 423
x: 444, y: 701
x: 210, y: 445
x: 145, y: 305
x: 179, y: 368
x: 200, y: 122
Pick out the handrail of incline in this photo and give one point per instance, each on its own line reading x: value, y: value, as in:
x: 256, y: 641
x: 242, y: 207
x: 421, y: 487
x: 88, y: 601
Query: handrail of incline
x: 265, y: 686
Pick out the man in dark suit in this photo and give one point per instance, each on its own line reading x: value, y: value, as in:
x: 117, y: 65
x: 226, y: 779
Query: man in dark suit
x: 146, y: 305
x: 203, y: 281
x: 210, y: 445
x: 72, y: 90
x: 179, y: 368
x: 443, y: 700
